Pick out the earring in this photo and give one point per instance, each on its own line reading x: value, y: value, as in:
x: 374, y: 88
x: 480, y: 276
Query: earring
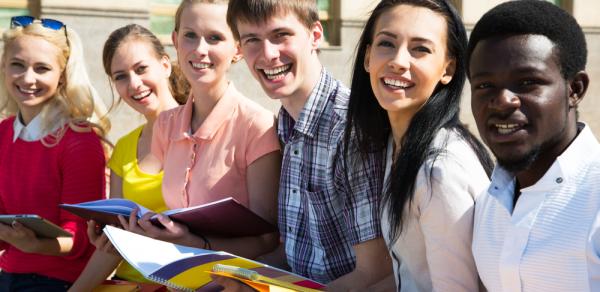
x: 236, y: 59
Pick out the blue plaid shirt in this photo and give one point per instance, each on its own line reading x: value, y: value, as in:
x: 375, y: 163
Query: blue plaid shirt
x: 325, y: 206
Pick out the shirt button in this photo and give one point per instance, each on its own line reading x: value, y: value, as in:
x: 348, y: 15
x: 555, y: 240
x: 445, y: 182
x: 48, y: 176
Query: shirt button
x: 289, y: 229
x: 296, y: 152
x: 294, y: 191
x: 559, y: 180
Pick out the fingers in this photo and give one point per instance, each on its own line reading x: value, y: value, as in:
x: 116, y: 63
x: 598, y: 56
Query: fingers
x: 230, y: 285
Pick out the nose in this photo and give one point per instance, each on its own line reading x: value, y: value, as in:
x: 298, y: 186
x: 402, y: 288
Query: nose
x: 202, y: 48
x: 505, y: 101
x: 270, y: 50
x: 401, y: 60
x: 29, y: 76
x: 134, y: 82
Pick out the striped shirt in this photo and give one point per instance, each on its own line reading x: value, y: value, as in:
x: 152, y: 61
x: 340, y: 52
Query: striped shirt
x: 551, y: 240
x: 325, y: 206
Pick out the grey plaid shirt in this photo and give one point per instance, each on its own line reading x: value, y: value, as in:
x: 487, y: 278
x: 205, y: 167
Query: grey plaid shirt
x: 327, y: 203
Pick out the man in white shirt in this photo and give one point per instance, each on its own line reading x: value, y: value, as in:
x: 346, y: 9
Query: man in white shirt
x: 537, y: 228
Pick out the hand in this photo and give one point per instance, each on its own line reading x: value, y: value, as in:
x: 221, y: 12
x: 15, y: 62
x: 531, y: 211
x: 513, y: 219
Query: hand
x: 231, y: 285
x: 172, y: 231
x: 19, y: 236
x: 99, y: 239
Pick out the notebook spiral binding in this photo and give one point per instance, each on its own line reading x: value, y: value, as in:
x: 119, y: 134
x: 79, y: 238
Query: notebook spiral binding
x: 169, y: 284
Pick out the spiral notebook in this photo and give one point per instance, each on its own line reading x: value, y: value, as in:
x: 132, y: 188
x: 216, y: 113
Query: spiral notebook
x: 187, y: 268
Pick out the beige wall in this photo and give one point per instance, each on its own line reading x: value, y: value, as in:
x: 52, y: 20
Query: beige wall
x: 95, y: 19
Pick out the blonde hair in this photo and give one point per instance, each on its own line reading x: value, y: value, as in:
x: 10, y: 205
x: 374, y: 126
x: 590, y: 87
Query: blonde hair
x: 185, y: 3
x: 76, y: 103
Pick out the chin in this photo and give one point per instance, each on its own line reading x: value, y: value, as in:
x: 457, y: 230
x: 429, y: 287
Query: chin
x: 517, y: 164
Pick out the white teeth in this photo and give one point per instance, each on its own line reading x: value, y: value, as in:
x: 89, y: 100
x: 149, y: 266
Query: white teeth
x: 504, y: 129
x: 277, y: 71
x: 141, y: 95
x: 396, y: 83
x: 27, y: 91
x: 200, y: 65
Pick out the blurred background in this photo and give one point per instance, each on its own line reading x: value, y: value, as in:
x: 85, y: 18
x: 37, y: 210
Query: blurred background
x: 342, y: 20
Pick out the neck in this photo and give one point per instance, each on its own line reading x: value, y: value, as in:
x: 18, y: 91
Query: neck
x: 547, y: 156
x: 295, y: 102
x: 205, y: 100
x: 399, y: 123
x: 167, y: 103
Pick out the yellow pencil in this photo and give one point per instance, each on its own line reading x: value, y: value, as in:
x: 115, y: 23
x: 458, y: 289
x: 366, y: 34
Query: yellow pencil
x: 255, y: 276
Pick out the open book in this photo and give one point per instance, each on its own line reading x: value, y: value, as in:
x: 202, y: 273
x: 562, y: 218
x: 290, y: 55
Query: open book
x: 187, y: 268
x: 225, y: 217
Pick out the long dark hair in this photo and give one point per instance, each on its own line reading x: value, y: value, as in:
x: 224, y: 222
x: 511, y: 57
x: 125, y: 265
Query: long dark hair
x: 368, y: 122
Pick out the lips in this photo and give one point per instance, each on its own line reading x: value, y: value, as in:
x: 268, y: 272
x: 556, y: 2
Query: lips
x: 141, y: 95
x: 507, y: 131
x: 276, y: 73
x: 397, y: 83
x: 28, y: 91
x: 201, y: 65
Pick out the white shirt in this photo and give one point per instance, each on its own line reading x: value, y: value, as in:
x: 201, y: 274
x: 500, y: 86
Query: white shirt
x: 551, y: 241
x: 433, y: 253
x: 32, y: 132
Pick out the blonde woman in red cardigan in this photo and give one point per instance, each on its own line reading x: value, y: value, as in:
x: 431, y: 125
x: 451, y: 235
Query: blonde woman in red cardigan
x: 50, y: 152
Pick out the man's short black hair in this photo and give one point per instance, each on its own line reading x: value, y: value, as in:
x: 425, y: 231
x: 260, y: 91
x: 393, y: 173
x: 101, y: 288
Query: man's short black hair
x: 539, y: 18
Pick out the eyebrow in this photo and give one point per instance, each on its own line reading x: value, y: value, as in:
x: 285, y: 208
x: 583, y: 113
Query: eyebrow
x: 394, y: 36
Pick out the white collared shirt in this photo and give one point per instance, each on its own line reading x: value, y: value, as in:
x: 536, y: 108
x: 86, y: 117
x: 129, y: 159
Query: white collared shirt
x: 31, y: 132
x: 433, y: 253
x: 551, y: 241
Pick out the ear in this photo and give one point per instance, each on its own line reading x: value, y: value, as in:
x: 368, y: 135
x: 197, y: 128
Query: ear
x: 367, y: 59
x: 317, y: 35
x: 174, y: 39
x: 577, y: 88
x: 166, y: 63
x: 448, y: 72
x: 238, y: 53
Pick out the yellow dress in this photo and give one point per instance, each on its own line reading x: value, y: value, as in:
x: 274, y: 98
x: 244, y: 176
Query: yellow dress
x: 138, y: 186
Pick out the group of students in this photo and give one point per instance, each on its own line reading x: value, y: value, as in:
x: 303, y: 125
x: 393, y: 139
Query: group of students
x: 378, y: 187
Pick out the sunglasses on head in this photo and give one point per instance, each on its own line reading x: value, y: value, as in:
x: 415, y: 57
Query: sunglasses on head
x: 27, y: 20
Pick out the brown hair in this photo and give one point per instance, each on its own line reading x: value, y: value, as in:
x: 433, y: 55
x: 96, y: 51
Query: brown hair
x: 185, y: 3
x: 177, y: 84
x: 260, y: 11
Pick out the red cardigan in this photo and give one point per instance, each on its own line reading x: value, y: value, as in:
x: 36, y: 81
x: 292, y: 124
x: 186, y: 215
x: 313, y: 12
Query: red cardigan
x: 34, y: 179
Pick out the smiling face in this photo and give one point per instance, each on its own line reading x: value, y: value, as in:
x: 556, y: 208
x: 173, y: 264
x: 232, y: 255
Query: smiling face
x: 407, y: 58
x: 281, y: 54
x: 141, y: 77
x: 205, y: 45
x: 520, y: 101
x: 31, y: 77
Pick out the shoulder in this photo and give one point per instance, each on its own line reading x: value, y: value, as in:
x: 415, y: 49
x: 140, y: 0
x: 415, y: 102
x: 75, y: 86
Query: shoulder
x: 129, y: 138
x: 253, y: 115
x: 169, y: 118
x: 7, y: 124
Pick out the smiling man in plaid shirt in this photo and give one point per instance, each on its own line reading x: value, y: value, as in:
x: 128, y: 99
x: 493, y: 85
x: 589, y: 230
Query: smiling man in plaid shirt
x: 328, y: 203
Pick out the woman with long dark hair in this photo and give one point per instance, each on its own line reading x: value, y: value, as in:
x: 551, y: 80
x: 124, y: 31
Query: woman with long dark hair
x: 405, y: 99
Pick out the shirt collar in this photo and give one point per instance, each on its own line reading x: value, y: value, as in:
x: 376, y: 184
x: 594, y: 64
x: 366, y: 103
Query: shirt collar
x: 223, y: 111
x: 30, y: 133
x: 314, y: 107
x: 567, y: 166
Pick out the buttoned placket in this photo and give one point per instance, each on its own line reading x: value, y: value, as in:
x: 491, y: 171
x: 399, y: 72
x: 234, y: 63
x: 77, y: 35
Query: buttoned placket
x: 185, y: 192
x: 296, y: 160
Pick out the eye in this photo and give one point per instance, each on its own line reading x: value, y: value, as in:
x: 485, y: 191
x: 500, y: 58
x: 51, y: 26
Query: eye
x: 214, y: 38
x: 16, y: 65
x: 249, y: 41
x: 282, y: 34
x: 482, y: 85
x: 190, y: 35
x: 528, y: 82
x: 385, y: 44
x: 423, y: 49
x: 42, y: 69
x: 118, y: 77
x: 141, y: 69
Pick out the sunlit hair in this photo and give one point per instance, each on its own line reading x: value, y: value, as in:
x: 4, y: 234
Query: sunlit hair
x: 260, y: 11
x: 76, y: 104
x: 370, y: 127
x: 179, y: 87
x: 185, y: 3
